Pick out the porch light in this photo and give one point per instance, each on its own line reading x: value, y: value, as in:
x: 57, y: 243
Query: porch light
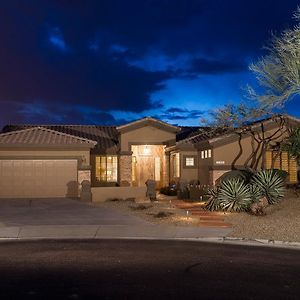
x: 147, y: 150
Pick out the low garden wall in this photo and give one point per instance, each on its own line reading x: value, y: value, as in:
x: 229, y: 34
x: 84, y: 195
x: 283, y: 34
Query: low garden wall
x: 101, y: 194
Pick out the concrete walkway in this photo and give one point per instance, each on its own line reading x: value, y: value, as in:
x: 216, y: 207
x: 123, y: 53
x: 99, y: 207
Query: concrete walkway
x: 109, y: 231
x: 70, y: 218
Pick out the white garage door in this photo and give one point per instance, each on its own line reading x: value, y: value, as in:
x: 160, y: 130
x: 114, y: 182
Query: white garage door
x: 38, y: 178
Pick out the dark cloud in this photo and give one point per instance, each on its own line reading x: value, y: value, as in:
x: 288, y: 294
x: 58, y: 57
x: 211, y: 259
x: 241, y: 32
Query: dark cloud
x: 61, y: 60
x: 175, y: 113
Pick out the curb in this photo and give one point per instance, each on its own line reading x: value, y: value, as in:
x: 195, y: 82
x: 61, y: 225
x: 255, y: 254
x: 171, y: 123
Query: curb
x: 217, y: 240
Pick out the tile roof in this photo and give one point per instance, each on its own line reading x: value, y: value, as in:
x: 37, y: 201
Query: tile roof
x: 105, y: 136
x: 40, y: 136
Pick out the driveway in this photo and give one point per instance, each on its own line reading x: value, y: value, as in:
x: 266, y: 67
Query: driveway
x: 23, y: 212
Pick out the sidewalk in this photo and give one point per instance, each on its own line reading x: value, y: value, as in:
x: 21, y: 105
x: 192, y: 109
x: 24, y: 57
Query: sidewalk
x: 109, y: 231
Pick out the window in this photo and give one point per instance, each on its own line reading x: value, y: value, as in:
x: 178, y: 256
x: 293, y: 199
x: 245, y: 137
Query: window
x: 107, y: 168
x: 189, y: 161
x: 157, y: 169
x: 209, y: 153
x: 282, y: 161
x: 176, y: 165
x: 206, y: 154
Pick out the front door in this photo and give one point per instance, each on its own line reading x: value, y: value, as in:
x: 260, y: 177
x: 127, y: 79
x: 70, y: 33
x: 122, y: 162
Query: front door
x: 147, y: 164
x: 145, y: 169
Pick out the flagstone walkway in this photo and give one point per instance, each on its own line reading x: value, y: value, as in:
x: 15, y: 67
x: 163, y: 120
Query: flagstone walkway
x: 206, y: 218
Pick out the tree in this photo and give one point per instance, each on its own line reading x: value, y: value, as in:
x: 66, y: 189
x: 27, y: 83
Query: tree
x: 244, y: 120
x: 279, y: 71
x: 292, y: 144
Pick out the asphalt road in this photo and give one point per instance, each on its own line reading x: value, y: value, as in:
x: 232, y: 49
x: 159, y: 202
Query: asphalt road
x: 124, y: 269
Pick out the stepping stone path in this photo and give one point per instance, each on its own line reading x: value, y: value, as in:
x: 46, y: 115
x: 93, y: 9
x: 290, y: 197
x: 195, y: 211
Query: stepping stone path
x: 206, y: 218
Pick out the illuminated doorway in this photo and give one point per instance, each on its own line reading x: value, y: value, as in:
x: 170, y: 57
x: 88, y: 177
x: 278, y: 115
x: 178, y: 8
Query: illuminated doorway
x: 147, y: 163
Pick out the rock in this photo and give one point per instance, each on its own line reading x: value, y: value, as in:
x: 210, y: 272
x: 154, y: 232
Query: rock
x: 258, y: 208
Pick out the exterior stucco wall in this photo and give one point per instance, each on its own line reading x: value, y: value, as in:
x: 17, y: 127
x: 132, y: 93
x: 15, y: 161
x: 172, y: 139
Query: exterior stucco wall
x: 227, y: 153
x: 84, y: 155
x: 187, y: 173
x: 204, y: 166
x: 145, y: 135
x: 101, y: 194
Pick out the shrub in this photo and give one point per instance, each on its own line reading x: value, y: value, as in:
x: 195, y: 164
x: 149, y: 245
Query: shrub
x: 213, y: 203
x: 140, y: 207
x: 163, y: 214
x: 255, y: 192
x: 234, y: 195
x: 244, y: 175
x: 168, y: 191
x: 271, y: 185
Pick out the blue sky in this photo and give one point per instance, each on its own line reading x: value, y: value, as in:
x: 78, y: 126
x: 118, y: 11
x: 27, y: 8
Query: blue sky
x: 109, y: 62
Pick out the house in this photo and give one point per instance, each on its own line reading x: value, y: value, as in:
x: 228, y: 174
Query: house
x: 52, y: 160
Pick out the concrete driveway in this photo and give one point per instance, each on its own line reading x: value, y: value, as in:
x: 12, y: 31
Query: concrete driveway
x: 23, y: 212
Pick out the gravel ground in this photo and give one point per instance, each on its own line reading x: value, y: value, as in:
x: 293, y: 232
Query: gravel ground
x: 175, y: 216
x: 281, y: 223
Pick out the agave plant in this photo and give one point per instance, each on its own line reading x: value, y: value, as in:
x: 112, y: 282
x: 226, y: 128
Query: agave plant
x: 213, y: 203
x: 255, y: 192
x: 271, y: 185
x: 243, y: 174
x: 234, y: 195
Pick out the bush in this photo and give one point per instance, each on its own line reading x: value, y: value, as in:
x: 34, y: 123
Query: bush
x: 163, y: 214
x: 168, y: 191
x: 140, y: 207
x: 244, y: 175
x: 271, y: 185
x: 213, y: 203
x: 283, y: 174
x: 234, y: 195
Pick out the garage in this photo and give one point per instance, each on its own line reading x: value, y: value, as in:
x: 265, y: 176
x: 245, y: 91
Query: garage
x: 38, y: 178
x: 42, y: 163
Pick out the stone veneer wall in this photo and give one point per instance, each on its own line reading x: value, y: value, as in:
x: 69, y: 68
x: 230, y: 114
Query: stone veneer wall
x: 125, y: 163
x: 215, y: 174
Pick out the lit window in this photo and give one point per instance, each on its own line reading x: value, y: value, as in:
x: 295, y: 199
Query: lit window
x: 205, y: 153
x: 189, y: 162
x: 107, y: 168
x: 157, y: 169
x: 209, y: 153
x: 202, y: 154
x: 176, y: 165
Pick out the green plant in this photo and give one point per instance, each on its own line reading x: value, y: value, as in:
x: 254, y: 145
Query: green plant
x: 213, y: 202
x: 163, y: 214
x: 169, y: 191
x: 234, y: 195
x: 271, y: 185
x: 244, y: 175
x: 140, y: 207
x: 283, y: 174
x: 255, y: 192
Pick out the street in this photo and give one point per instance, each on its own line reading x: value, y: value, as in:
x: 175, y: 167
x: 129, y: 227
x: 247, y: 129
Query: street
x: 144, y: 269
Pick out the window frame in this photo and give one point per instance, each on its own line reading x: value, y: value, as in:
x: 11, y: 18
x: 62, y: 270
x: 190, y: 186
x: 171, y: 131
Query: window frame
x: 102, y: 160
x: 175, y: 157
x: 195, y: 159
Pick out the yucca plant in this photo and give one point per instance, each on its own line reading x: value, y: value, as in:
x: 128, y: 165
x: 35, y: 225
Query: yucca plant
x: 213, y: 203
x: 271, y: 185
x: 234, y: 195
x: 255, y: 192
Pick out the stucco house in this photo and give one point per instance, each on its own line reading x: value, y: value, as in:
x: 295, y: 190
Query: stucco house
x: 52, y: 160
